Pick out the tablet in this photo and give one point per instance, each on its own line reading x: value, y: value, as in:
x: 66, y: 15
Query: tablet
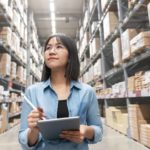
x: 51, y: 128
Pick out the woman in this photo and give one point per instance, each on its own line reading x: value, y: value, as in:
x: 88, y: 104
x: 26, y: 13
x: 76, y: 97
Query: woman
x: 60, y: 94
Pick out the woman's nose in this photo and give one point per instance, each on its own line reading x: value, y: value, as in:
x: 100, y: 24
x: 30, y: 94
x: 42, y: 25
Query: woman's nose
x: 53, y: 50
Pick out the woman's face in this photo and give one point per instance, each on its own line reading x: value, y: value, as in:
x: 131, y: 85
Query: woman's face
x: 56, y: 55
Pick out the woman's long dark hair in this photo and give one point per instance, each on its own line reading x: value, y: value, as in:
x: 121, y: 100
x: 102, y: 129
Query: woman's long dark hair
x: 73, y: 65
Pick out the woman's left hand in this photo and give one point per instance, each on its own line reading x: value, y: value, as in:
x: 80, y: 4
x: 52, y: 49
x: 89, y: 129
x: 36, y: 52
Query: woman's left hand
x: 75, y: 136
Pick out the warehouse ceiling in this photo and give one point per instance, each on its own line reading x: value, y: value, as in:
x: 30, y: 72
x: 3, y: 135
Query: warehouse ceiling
x: 68, y: 13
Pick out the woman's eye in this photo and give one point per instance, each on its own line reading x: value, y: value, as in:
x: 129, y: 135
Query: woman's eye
x: 59, y: 46
x: 48, y: 48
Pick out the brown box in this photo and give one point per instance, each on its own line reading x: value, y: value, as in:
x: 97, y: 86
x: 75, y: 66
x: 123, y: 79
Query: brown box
x: 5, y: 63
x: 126, y: 36
x: 110, y: 23
x: 5, y: 35
x: 140, y: 42
x: 138, y: 114
x: 19, y: 75
x: 131, y: 83
x: 117, y: 55
x: 145, y: 134
x: 13, y: 70
x: 4, y: 120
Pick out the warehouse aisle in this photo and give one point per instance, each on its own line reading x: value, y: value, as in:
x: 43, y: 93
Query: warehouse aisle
x: 112, y: 140
x: 9, y: 139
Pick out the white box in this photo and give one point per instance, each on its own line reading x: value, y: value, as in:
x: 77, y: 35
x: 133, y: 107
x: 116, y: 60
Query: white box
x: 147, y: 77
x: 117, y: 53
x: 126, y: 36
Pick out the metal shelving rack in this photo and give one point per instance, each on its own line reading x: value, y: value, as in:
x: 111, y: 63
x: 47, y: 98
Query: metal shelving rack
x: 135, y: 17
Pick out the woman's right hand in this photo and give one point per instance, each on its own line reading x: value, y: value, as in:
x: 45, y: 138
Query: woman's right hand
x: 34, y: 116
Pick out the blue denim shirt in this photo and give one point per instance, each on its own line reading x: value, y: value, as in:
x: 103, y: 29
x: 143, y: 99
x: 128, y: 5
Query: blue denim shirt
x: 81, y: 102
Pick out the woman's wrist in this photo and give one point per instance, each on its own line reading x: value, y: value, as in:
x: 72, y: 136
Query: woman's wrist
x: 88, y: 132
x: 33, y: 135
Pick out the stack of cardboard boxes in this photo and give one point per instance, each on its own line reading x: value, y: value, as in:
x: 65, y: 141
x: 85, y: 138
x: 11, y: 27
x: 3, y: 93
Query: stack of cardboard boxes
x: 5, y: 64
x: 145, y: 134
x: 117, y: 118
x: 138, y: 114
x: 3, y: 118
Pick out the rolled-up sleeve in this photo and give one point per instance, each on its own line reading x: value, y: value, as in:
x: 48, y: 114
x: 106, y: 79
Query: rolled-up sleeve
x: 23, y: 132
x: 93, y: 117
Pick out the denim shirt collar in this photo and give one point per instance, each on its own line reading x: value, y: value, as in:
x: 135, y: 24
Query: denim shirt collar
x: 75, y: 84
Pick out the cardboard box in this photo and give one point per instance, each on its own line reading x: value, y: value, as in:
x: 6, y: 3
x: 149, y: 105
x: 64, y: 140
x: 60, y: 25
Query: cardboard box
x: 145, y: 134
x: 5, y: 64
x: 110, y: 23
x: 13, y: 70
x: 4, y: 119
x: 126, y: 36
x: 138, y: 114
x: 140, y: 42
x: 117, y: 53
x: 19, y: 75
x: 5, y: 35
x: 131, y: 83
x: 147, y: 77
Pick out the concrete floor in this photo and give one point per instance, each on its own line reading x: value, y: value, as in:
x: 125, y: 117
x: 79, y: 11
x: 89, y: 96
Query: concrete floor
x: 112, y: 140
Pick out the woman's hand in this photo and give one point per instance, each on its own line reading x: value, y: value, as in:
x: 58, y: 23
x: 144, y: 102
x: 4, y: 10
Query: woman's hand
x: 75, y: 136
x: 33, y: 133
x: 33, y: 117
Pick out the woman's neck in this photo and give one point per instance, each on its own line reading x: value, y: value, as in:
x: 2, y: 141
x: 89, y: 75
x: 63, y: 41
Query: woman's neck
x: 58, y: 78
